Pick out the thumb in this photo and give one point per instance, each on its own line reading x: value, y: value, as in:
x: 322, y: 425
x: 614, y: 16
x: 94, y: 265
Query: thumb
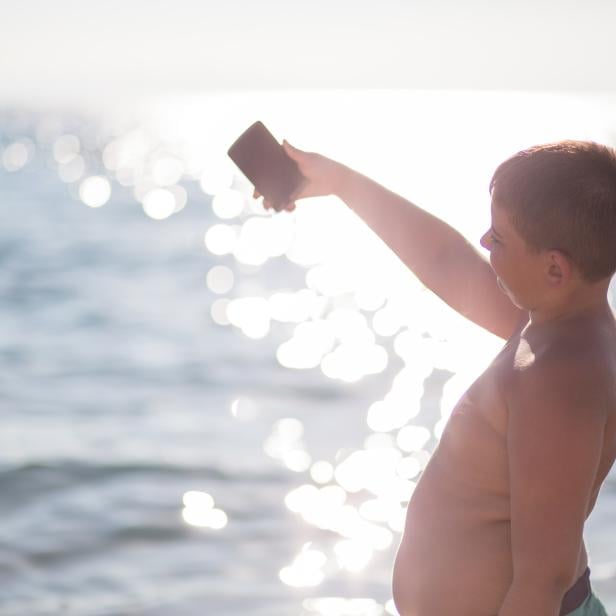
x: 293, y: 152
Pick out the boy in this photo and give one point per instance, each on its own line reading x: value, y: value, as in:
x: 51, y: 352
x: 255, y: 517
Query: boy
x: 495, y: 524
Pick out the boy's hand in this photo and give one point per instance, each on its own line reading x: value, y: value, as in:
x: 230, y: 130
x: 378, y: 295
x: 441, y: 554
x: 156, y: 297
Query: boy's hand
x: 322, y: 177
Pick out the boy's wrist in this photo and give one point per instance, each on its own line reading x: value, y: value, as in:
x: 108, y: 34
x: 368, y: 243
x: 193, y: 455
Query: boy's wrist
x: 342, y: 178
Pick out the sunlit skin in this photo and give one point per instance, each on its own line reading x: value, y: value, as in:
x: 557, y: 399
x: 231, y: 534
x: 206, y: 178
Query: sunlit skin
x: 495, y: 524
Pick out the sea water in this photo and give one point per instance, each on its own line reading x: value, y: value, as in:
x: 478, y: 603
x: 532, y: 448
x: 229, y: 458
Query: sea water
x: 208, y: 408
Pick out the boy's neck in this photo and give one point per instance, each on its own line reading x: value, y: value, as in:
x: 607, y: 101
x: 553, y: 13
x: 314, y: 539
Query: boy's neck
x: 589, y: 302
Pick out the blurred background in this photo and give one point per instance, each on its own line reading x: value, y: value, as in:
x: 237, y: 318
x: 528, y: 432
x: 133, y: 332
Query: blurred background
x: 208, y: 408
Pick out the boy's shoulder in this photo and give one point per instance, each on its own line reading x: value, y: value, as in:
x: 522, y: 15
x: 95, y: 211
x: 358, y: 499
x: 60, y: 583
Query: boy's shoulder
x: 571, y: 339
x: 573, y: 363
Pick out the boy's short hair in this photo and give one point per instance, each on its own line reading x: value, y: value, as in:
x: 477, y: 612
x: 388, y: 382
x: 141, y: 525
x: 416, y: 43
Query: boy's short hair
x: 563, y: 196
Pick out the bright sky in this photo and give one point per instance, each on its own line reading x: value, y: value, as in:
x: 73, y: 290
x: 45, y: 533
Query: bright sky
x: 76, y: 48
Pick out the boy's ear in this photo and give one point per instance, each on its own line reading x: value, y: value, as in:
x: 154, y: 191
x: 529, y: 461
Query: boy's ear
x: 559, y: 268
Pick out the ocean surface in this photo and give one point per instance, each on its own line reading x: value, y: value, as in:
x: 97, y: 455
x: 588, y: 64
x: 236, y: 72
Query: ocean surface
x: 199, y: 417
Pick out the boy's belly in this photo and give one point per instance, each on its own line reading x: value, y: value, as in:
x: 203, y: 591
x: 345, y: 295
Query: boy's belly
x: 455, y: 555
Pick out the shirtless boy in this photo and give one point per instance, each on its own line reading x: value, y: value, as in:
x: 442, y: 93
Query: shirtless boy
x: 495, y: 524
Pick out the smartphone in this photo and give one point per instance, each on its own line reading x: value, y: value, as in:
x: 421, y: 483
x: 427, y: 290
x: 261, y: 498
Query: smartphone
x: 265, y: 163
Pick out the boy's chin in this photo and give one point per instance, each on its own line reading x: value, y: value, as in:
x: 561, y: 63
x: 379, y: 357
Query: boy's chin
x: 508, y: 293
x: 502, y: 287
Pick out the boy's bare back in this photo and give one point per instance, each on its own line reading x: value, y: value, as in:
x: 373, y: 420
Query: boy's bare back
x: 459, y: 518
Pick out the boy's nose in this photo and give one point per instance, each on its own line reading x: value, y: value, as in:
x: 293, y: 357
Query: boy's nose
x: 485, y: 240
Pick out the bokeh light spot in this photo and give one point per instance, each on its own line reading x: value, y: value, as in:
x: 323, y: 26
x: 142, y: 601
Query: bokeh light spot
x: 159, y: 203
x: 65, y: 148
x: 199, y: 510
x: 72, y: 170
x: 244, y: 409
x: 220, y: 239
x: 220, y: 279
x: 17, y: 155
x: 167, y: 170
x: 218, y: 311
x: 306, y: 569
x: 228, y: 203
x: 322, y: 471
x: 251, y: 315
x: 95, y: 191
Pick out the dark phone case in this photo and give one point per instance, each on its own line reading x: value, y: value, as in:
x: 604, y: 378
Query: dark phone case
x: 265, y: 163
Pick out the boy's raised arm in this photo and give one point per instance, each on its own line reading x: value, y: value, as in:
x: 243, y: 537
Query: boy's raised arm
x: 438, y: 254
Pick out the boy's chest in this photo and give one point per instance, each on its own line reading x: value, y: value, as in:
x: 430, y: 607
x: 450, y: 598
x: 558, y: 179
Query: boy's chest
x: 473, y: 446
x: 484, y: 401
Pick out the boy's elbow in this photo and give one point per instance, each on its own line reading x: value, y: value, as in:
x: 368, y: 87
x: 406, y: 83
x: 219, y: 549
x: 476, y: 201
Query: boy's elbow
x: 556, y: 579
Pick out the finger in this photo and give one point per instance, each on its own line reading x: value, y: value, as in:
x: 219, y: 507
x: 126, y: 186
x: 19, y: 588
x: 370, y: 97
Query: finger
x: 293, y: 152
x: 256, y: 194
x: 297, y: 193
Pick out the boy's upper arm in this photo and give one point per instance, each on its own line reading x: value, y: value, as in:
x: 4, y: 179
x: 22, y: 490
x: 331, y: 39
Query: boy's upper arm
x: 469, y: 286
x: 556, y: 422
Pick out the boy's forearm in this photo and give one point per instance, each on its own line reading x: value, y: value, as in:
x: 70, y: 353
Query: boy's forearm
x: 540, y: 599
x: 416, y: 236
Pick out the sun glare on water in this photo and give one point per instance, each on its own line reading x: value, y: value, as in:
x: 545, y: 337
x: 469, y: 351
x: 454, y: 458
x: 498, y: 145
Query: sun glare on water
x: 360, y: 310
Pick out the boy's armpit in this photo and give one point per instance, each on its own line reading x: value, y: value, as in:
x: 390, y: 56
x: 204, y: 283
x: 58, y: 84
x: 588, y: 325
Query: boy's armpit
x: 556, y: 423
